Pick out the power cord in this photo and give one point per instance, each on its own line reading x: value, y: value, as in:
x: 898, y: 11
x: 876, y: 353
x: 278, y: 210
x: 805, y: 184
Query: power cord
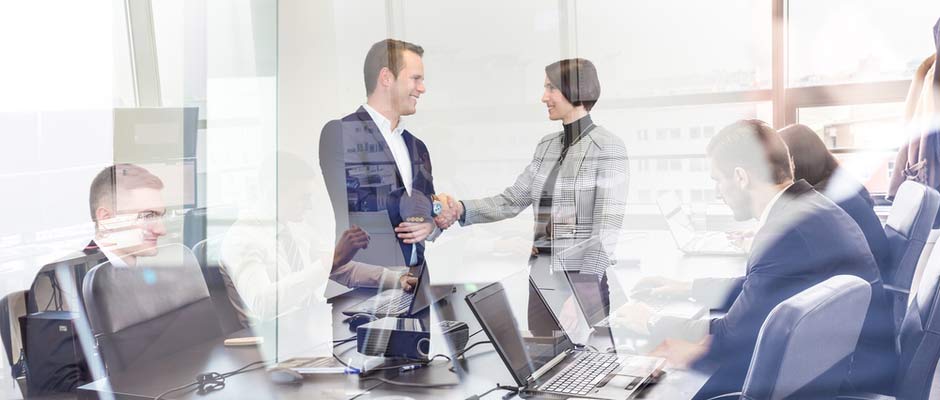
x: 512, y: 389
x: 466, y: 349
x: 213, y: 381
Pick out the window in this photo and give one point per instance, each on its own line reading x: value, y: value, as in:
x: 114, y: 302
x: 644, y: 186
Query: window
x: 695, y: 132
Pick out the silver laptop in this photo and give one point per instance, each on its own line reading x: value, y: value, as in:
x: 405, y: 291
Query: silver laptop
x: 544, y: 360
x: 397, y: 302
x: 688, y: 240
x: 594, y: 302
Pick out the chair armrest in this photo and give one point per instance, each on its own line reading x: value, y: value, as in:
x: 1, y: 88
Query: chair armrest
x: 734, y: 395
x: 896, y: 290
x: 863, y: 396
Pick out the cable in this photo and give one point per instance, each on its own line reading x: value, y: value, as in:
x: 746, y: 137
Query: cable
x: 512, y: 389
x: 474, y: 333
x: 461, y: 352
x: 213, y: 381
x: 417, y: 385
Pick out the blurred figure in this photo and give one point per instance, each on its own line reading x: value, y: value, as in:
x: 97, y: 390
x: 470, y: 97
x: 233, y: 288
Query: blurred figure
x: 813, y: 163
x: 126, y: 203
x: 275, y: 263
x: 803, y: 239
x: 577, y: 178
x: 369, y: 155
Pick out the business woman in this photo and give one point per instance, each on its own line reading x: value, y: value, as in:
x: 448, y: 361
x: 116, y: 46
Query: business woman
x: 576, y: 181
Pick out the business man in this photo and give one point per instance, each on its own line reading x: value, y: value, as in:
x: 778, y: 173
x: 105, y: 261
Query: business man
x: 373, y: 165
x: 803, y: 239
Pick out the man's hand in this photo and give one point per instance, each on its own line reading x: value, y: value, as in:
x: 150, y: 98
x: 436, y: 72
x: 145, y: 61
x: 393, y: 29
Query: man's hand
x: 655, y: 287
x: 352, y: 240
x: 634, y: 316
x: 408, y: 282
x: 740, y: 239
x: 450, y: 213
x: 414, y: 232
x: 680, y: 353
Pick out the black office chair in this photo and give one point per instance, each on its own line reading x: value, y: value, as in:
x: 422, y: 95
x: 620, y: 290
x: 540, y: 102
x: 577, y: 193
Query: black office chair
x: 908, y: 226
x: 142, y: 313
x: 207, y: 252
x: 12, y: 307
x: 806, y: 344
x: 919, y: 340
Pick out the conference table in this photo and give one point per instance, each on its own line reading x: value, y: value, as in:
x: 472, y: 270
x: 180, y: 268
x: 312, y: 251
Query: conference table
x: 640, y: 254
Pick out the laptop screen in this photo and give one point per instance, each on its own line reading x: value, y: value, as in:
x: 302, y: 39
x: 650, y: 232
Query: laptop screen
x: 590, y: 296
x: 523, y: 350
x: 678, y: 220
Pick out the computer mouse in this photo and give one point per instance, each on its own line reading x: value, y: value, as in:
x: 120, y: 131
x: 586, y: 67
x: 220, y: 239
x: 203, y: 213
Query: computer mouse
x: 359, y: 319
x: 284, y: 375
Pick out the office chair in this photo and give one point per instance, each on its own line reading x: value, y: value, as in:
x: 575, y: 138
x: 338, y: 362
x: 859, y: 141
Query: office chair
x: 12, y: 307
x: 907, y: 228
x: 142, y: 313
x: 207, y: 252
x: 789, y: 360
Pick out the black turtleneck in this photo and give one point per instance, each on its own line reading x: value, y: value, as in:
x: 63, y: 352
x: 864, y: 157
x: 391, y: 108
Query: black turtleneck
x: 573, y: 132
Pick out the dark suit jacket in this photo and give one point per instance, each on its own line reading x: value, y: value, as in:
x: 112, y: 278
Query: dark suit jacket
x: 805, y: 240
x: 360, y: 171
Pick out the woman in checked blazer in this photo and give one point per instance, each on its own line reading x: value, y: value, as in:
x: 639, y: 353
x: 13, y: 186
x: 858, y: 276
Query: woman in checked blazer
x: 576, y: 182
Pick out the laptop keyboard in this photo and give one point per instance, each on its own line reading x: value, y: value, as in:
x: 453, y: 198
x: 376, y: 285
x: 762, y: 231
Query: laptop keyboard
x: 388, y: 303
x: 581, y: 376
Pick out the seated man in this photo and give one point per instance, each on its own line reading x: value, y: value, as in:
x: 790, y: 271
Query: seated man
x: 803, y: 239
x: 273, y: 263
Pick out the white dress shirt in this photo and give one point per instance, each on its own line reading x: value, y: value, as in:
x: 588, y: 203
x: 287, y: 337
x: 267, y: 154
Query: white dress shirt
x: 396, y: 144
x: 766, y: 213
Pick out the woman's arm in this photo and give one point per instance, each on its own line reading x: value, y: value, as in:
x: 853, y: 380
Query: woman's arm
x: 510, y: 202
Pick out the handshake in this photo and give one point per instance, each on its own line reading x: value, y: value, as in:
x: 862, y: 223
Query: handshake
x: 447, y: 210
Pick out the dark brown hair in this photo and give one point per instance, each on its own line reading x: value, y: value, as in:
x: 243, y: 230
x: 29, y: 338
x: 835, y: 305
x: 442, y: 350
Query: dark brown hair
x: 577, y: 80
x: 739, y: 145
x: 812, y: 161
x: 123, y: 176
x: 388, y: 53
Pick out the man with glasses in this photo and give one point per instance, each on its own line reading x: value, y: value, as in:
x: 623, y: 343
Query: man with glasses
x: 127, y: 206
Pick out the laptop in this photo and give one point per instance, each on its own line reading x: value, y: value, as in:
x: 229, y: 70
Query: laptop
x: 687, y: 239
x: 544, y: 360
x: 594, y: 302
x: 397, y: 302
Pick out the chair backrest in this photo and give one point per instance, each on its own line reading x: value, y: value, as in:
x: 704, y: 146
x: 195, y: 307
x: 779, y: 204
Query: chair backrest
x: 139, y: 314
x: 207, y: 252
x: 12, y: 307
x: 907, y: 228
x: 919, y: 338
x: 806, y: 343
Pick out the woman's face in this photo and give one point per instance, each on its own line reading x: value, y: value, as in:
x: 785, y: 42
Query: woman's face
x: 558, y: 105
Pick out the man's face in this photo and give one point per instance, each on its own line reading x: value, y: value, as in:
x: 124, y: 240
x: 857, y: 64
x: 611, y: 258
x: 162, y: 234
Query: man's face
x: 730, y: 189
x: 409, y: 85
x: 558, y: 105
x: 144, y: 208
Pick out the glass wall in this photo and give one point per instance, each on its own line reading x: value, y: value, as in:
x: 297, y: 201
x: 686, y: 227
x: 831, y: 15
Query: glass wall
x: 267, y: 179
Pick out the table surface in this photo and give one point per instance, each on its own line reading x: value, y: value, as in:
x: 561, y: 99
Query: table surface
x: 650, y: 253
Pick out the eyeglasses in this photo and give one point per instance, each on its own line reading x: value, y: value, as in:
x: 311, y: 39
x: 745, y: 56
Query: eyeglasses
x: 149, y: 217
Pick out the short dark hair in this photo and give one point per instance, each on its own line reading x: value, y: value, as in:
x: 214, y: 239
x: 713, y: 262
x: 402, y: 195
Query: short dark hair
x: 577, y: 80
x: 755, y: 146
x: 812, y: 161
x: 123, y: 176
x: 388, y: 53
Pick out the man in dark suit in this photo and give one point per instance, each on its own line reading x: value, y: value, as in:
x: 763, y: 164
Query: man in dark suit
x: 368, y: 158
x: 803, y: 239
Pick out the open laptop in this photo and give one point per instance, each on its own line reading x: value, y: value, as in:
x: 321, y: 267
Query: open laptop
x: 397, y: 302
x: 595, y: 303
x: 544, y: 360
x: 687, y: 239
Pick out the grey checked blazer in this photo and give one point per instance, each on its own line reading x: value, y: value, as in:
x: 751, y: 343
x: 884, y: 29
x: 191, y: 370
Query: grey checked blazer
x: 590, y: 194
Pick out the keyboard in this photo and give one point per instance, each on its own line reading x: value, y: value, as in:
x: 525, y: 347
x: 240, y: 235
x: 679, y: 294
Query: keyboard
x: 583, y: 375
x: 389, y: 302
